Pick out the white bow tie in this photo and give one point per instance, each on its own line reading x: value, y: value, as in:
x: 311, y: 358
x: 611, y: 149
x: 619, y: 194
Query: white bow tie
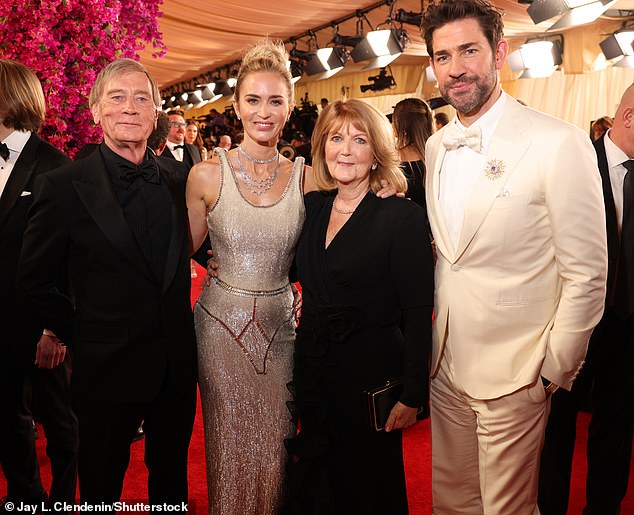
x: 454, y: 137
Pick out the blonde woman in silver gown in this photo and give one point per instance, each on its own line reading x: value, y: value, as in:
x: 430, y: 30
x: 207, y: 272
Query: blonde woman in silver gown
x: 251, y: 201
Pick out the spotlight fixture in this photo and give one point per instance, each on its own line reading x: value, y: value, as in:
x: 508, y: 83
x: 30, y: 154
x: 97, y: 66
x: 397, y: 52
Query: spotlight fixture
x: 619, y: 48
x: 379, y: 82
x: 412, y: 18
x: 326, y: 62
x: 430, y: 76
x: 537, y: 59
x: 296, y: 69
x: 381, y: 46
x: 574, y: 12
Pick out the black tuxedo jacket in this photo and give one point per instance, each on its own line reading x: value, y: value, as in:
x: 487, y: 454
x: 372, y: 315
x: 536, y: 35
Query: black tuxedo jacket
x: 20, y: 329
x: 191, y: 155
x: 610, y: 214
x: 127, y: 330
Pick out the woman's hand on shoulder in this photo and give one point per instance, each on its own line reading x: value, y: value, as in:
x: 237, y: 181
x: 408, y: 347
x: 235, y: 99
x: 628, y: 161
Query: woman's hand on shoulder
x: 387, y: 190
x: 401, y: 417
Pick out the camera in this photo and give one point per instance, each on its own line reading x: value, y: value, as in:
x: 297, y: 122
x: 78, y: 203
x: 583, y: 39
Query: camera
x: 379, y: 82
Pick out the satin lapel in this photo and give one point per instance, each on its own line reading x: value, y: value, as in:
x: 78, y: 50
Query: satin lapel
x: 508, y: 147
x: 610, y: 210
x: 95, y: 191
x: 441, y: 239
x: 178, y: 229
x: 20, y: 176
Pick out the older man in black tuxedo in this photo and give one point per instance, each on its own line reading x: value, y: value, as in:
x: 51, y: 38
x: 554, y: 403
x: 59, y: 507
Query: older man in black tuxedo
x: 23, y: 158
x: 117, y: 219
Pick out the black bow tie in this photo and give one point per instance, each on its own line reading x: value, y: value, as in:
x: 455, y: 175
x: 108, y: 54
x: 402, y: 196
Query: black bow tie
x: 4, y: 151
x: 179, y: 146
x: 148, y: 169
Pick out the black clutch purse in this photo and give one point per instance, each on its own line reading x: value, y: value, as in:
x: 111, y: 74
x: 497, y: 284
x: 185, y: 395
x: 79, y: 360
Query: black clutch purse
x: 380, y: 402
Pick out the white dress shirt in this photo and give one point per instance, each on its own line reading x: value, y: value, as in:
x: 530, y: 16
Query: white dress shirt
x: 616, y: 157
x: 177, y: 153
x: 16, y: 142
x: 461, y: 169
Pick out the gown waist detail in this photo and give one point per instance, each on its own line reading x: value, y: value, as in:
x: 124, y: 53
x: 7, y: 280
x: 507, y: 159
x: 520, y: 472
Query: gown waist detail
x: 249, y: 293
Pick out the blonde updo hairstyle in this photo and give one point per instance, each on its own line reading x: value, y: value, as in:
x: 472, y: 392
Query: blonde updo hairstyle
x: 265, y: 56
x: 375, y: 125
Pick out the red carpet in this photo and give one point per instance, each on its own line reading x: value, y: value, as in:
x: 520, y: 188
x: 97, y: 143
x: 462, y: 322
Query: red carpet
x: 417, y: 450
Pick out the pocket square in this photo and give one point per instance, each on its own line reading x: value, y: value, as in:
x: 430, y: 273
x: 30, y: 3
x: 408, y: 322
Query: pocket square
x: 25, y: 193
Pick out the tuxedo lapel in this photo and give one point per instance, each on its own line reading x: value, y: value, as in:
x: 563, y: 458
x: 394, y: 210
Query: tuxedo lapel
x: 507, y: 148
x: 95, y: 191
x: 608, y: 197
x: 20, y: 176
x: 442, y: 239
x: 178, y: 230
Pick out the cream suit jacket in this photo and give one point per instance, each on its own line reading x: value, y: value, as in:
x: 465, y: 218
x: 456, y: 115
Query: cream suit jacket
x: 523, y: 290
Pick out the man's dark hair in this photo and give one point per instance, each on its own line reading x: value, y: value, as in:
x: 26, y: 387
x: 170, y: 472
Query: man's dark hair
x: 177, y: 112
x: 446, y: 11
x: 441, y: 118
x: 160, y: 134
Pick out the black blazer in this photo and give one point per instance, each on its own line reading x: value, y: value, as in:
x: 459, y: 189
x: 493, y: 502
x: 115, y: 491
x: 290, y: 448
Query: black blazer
x: 191, y: 155
x: 20, y: 328
x: 127, y: 330
x: 610, y: 214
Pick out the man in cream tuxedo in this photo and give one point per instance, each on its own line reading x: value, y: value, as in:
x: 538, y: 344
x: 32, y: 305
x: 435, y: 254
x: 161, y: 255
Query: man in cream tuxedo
x: 516, y: 209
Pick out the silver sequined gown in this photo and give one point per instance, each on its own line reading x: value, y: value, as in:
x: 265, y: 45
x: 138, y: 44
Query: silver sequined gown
x: 245, y: 334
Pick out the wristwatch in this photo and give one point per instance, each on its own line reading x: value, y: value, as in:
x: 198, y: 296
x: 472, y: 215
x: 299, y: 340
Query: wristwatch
x: 549, y: 386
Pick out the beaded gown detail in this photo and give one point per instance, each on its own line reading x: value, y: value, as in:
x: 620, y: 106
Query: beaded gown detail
x: 245, y: 333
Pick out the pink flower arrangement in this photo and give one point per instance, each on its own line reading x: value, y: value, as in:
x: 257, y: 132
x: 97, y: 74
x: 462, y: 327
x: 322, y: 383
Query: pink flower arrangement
x: 67, y: 43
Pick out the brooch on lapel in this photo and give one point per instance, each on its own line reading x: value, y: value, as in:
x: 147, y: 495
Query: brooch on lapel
x: 494, y: 169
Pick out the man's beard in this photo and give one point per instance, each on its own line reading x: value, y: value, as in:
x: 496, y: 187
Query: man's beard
x: 466, y: 104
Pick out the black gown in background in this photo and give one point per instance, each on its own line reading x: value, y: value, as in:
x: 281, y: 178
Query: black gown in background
x: 376, y: 275
x: 415, y: 173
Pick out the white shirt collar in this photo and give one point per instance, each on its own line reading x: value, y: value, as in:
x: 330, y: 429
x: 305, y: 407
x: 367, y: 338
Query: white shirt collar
x: 488, y: 121
x: 614, y: 154
x: 16, y: 141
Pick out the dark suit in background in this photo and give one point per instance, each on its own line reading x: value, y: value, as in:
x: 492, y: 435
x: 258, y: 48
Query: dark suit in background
x: 20, y: 379
x: 607, y: 378
x: 191, y: 155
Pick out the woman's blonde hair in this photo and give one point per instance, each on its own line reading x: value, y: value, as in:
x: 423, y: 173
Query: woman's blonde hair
x: 22, y: 104
x: 265, y: 56
x: 369, y: 120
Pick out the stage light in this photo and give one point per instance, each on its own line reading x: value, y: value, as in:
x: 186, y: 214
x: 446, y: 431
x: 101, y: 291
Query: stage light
x: 537, y: 59
x: 381, y: 46
x: 618, y: 47
x: 223, y: 88
x: 379, y: 82
x: 326, y: 62
x: 403, y: 16
x: 574, y: 12
x: 430, y: 76
x: 296, y: 69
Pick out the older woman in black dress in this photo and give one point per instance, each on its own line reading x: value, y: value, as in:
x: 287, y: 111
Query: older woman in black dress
x: 366, y: 269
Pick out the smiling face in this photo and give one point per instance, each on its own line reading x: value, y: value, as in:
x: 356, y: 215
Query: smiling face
x: 190, y: 133
x: 466, y: 67
x: 177, y: 129
x: 263, y: 106
x: 125, y: 111
x: 349, y: 155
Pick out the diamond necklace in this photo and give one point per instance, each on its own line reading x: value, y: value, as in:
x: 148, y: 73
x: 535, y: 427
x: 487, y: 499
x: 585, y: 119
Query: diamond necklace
x: 258, y: 186
x: 258, y: 161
